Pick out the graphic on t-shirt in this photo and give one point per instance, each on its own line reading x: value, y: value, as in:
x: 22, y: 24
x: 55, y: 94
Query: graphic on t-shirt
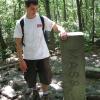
x: 39, y: 25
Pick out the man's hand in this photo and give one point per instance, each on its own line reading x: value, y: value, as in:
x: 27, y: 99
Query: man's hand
x: 57, y: 28
x: 63, y: 35
x: 22, y: 66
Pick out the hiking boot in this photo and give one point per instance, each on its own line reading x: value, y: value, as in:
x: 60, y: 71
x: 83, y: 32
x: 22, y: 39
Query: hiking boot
x: 31, y: 94
x: 45, y: 97
x: 28, y: 91
x: 36, y: 95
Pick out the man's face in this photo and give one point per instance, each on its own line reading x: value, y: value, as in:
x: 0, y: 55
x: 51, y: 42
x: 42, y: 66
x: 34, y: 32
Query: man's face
x: 31, y: 10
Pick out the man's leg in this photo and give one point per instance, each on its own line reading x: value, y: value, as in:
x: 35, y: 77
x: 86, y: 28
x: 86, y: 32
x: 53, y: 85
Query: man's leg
x: 30, y: 77
x: 31, y: 73
x: 45, y: 87
x: 45, y: 74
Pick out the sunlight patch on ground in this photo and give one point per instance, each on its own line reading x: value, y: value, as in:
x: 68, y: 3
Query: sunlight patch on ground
x: 56, y: 85
x: 8, y: 90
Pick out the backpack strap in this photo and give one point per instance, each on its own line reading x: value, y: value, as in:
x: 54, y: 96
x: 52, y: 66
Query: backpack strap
x: 44, y: 32
x: 22, y: 28
x: 42, y: 20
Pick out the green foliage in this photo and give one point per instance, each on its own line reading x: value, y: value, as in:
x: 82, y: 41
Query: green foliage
x: 11, y: 10
x: 88, y: 46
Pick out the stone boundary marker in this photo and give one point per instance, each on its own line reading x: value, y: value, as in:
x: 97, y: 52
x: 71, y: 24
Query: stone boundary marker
x: 72, y: 51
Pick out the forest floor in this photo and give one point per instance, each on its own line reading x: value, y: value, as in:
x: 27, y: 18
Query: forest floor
x: 12, y: 82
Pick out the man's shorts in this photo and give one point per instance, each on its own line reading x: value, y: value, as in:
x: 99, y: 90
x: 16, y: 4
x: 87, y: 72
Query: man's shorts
x: 38, y: 67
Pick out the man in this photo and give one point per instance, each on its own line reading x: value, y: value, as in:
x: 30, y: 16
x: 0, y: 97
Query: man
x: 35, y: 57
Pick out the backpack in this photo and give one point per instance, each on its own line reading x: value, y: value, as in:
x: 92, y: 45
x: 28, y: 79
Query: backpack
x: 45, y: 33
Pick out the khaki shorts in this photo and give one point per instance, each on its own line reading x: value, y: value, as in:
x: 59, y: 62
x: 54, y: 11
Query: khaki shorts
x: 38, y: 67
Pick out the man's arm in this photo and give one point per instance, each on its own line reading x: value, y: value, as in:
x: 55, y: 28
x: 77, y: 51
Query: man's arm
x: 58, y: 28
x: 61, y: 30
x: 19, y: 49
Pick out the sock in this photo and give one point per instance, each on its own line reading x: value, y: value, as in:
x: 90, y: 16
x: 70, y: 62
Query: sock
x: 45, y: 93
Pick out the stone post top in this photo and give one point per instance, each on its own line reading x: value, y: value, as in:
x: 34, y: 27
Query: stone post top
x: 75, y: 34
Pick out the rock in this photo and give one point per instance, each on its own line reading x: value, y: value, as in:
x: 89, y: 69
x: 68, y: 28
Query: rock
x: 7, y: 92
x: 18, y: 85
x: 97, y: 43
x: 56, y: 87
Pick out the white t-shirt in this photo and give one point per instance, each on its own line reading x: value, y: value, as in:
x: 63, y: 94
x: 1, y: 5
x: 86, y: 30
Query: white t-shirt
x: 35, y: 45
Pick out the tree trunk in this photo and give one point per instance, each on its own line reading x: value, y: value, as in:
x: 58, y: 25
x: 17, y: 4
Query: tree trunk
x: 79, y: 4
x: 54, y: 10
x: 93, y: 33
x: 47, y: 8
x: 58, y: 15
x: 52, y: 42
x: 86, y: 14
x: 52, y: 39
x: 64, y: 10
x: 2, y: 44
x: 14, y: 16
x: 19, y: 4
